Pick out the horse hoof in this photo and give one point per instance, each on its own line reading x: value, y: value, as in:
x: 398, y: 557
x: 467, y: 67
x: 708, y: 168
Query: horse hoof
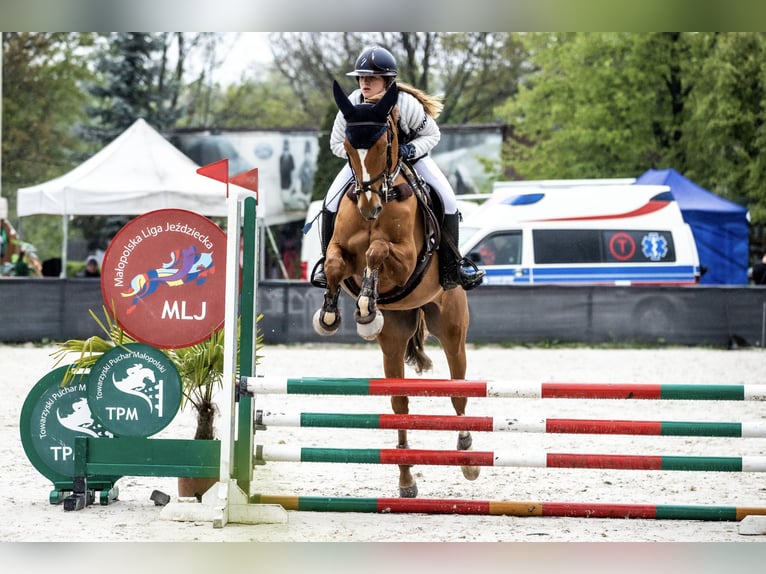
x: 322, y: 328
x: 465, y: 442
x: 408, y: 491
x: 369, y: 331
x: 471, y: 472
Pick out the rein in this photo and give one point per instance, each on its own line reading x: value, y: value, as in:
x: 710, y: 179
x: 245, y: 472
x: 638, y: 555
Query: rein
x: 387, y: 190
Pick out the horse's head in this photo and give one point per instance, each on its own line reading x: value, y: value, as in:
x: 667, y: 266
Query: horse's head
x: 372, y: 147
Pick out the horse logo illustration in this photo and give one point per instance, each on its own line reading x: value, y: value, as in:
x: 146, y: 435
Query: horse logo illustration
x: 135, y: 382
x: 80, y: 420
x: 185, y: 266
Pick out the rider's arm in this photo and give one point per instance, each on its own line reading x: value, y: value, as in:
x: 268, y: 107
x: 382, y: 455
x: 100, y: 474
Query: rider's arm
x: 338, y: 136
x: 421, y: 130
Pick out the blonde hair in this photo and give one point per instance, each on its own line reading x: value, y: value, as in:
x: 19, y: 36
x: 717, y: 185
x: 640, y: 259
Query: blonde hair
x: 432, y: 104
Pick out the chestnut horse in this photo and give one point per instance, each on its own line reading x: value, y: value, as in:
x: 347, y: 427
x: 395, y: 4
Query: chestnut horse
x: 382, y: 253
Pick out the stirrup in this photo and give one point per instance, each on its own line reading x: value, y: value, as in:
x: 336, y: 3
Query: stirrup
x: 318, y: 278
x: 469, y: 274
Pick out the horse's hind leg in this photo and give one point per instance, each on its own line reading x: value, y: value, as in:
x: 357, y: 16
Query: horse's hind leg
x: 464, y: 439
x: 399, y: 327
x: 408, y: 487
x: 450, y: 326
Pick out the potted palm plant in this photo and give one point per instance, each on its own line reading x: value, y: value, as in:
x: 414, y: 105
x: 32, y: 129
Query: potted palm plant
x: 200, y: 367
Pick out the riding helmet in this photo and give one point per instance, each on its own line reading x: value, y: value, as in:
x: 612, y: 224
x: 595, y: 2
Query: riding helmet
x: 374, y: 61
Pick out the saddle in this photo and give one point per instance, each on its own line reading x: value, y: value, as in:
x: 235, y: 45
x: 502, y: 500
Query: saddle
x: 432, y: 212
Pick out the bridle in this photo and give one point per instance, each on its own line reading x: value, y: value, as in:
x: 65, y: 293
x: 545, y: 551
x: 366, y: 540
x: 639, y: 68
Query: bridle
x: 386, y: 191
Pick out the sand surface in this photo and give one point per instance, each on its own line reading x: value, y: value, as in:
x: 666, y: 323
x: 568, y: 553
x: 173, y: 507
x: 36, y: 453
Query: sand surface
x: 134, y: 517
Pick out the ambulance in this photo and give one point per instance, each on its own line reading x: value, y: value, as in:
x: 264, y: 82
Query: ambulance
x: 581, y: 232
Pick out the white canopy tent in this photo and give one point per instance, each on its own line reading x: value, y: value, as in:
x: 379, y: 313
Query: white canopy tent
x: 137, y: 172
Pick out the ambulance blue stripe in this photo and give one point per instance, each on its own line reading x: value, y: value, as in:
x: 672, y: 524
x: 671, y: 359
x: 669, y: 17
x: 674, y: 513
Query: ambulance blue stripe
x: 645, y: 274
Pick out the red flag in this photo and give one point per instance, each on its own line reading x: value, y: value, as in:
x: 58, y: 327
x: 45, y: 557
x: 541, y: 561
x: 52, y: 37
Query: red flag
x: 218, y: 170
x: 247, y: 179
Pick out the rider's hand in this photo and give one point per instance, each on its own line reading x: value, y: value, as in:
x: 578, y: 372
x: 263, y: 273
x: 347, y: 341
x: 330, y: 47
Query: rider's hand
x: 407, y: 151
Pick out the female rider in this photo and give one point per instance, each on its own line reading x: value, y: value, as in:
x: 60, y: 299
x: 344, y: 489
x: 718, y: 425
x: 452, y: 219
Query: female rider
x: 375, y: 70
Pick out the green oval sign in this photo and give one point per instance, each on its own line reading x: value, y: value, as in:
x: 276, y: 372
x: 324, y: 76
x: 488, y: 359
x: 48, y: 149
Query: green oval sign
x: 51, y: 417
x: 134, y: 390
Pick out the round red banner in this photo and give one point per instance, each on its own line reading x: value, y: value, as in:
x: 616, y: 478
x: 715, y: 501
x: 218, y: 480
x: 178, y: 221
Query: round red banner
x: 163, y: 278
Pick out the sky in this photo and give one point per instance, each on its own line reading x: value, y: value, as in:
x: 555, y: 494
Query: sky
x: 248, y: 51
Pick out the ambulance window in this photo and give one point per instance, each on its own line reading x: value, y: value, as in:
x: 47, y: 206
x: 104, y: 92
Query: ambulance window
x: 502, y: 248
x: 603, y: 246
x: 567, y: 246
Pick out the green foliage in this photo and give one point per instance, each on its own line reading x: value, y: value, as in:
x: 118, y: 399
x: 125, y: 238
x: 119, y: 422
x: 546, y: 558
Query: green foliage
x: 45, y: 233
x: 727, y: 143
x: 471, y: 70
x: 592, y: 108
x: 89, y: 350
x: 135, y: 80
x: 268, y: 105
x: 577, y: 105
x: 41, y: 106
x: 476, y: 71
x: 617, y: 104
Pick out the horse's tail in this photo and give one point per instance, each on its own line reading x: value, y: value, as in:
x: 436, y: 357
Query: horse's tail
x: 415, y: 355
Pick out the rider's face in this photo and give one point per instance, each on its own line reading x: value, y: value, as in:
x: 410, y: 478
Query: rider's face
x: 371, y: 85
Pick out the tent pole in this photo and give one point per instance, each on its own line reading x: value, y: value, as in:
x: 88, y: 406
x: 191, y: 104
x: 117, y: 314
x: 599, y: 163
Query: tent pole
x: 261, y: 252
x: 65, y: 229
x: 276, y: 250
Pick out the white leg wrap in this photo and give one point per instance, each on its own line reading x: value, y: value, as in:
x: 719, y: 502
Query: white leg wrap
x: 372, y: 329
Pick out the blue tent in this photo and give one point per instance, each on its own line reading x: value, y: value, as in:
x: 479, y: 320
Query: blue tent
x: 720, y: 227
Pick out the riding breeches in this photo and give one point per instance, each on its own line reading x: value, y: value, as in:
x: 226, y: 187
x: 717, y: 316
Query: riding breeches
x: 425, y: 166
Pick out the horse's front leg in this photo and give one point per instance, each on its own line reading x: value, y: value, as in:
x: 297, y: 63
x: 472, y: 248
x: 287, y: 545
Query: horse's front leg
x: 326, y: 320
x: 369, y: 321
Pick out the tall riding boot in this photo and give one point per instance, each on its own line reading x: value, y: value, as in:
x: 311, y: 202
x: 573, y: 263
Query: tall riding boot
x: 318, y: 278
x: 453, y: 269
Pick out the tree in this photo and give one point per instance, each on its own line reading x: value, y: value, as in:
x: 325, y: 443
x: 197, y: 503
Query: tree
x: 136, y: 79
x: 600, y: 105
x: 42, y: 106
x: 140, y: 75
x: 728, y: 144
x: 267, y: 104
x: 472, y: 71
x: 478, y: 70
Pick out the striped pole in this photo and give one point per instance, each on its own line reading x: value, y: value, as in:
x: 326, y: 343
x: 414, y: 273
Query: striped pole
x: 510, y: 508
x: 265, y: 418
x: 527, y: 460
x: 755, y: 429
x: 465, y: 388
